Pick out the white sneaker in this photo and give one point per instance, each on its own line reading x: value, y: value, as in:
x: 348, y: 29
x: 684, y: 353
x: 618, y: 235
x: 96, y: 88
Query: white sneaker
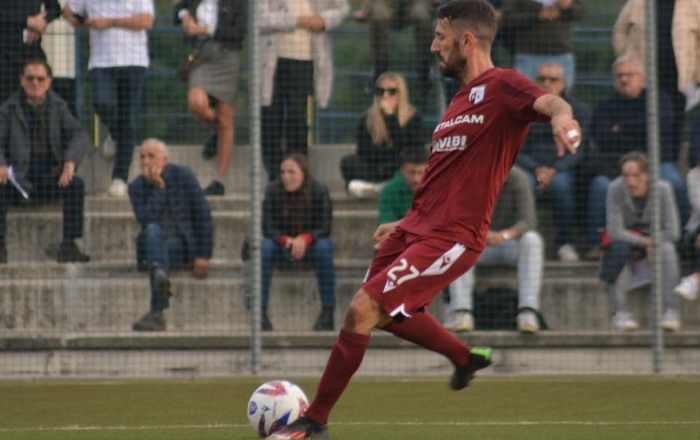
x: 623, y: 321
x: 528, y: 322
x: 460, y: 321
x: 688, y: 288
x: 671, y: 321
x: 363, y: 189
x: 118, y: 188
x: 567, y: 253
x: 108, y: 147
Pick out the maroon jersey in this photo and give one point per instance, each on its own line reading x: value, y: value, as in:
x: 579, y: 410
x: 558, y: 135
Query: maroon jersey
x: 473, y: 149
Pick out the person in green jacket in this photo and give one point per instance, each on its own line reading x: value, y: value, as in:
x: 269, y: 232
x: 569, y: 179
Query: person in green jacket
x: 397, y: 195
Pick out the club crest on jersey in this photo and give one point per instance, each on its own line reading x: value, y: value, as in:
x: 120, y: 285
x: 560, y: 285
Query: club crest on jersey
x: 476, y: 94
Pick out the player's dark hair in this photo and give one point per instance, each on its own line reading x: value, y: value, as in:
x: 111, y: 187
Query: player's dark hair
x: 37, y: 61
x: 415, y: 155
x: 477, y: 16
x: 636, y: 156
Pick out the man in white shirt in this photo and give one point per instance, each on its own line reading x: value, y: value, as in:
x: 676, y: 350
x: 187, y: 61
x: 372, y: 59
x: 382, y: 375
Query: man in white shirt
x: 117, y: 69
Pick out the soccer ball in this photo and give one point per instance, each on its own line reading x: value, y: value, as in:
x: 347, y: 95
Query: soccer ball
x: 274, y: 405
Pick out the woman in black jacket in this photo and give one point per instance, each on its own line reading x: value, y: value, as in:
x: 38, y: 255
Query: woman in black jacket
x: 217, y: 30
x: 297, y: 216
x: 390, y: 125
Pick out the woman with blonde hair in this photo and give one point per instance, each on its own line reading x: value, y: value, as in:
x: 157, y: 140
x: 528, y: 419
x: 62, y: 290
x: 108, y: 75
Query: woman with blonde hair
x: 390, y: 124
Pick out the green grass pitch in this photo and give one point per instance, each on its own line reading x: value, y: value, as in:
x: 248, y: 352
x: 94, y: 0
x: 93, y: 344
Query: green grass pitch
x: 493, y: 408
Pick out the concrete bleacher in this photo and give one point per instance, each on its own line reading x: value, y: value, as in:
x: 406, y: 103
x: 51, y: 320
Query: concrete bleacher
x: 65, y: 317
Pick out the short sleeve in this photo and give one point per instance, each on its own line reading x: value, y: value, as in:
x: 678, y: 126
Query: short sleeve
x: 77, y: 6
x: 519, y: 94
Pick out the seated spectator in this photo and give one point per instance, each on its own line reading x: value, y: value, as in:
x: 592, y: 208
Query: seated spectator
x: 552, y: 175
x: 690, y: 285
x: 390, y: 125
x: 176, y: 226
x: 297, y: 216
x: 397, y: 195
x: 41, y: 146
x: 512, y: 240
x: 216, y: 30
x: 542, y: 33
x: 628, y: 226
x: 618, y: 126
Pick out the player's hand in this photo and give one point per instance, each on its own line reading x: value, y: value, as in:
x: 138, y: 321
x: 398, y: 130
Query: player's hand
x: 383, y: 232
x: 67, y: 174
x: 200, y: 268
x: 99, y: 23
x: 4, y: 174
x: 567, y: 134
x: 298, y: 248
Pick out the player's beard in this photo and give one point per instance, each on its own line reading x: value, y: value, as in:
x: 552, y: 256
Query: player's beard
x: 454, y: 66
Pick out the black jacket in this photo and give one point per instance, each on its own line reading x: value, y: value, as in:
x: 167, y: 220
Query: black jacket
x: 231, y: 23
x: 316, y: 221
x: 13, y: 19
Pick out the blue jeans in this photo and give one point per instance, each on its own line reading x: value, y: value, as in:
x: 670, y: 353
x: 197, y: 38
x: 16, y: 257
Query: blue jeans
x: 561, y: 190
x: 597, y: 198
x: 670, y: 173
x: 162, y: 251
x: 528, y: 63
x: 319, y: 254
x: 117, y: 95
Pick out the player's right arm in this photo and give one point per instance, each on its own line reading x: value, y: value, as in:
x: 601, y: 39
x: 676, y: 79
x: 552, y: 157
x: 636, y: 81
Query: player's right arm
x: 566, y: 129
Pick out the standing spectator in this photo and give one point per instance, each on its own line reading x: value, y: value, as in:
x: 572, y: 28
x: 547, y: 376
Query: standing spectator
x: 397, y: 195
x: 542, y: 34
x: 117, y: 70
x: 690, y: 284
x: 59, y: 44
x: 628, y: 225
x: 512, y: 240
x: 618, y: 126
x: 390, y: 125
x: 217, y: 30
x: 42, y: 144
x: 384, y: 16
x: 176, y: 226
x: 550, y: 174
x: 22, y: 23
x: 297, y: 63
x: 678, y: 52
x: 297, y: 217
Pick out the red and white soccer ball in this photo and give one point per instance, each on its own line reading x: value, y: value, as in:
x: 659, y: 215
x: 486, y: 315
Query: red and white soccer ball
x: 274, y: 405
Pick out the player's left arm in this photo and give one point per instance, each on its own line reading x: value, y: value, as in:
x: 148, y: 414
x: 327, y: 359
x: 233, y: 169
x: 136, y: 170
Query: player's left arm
x: 566, y: 129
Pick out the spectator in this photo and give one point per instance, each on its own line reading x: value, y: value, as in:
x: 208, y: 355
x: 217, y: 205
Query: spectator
x: 512, y: 240
x: 628, y: 226
x: 542, y: 34
x: 618, y: 126
x: 217, y: 30
x: 41, y: 146
x: 390, y: 125
x: 678, y: 52
x: 22, y: 23
x: 297, y: 62
x: 550, y: 174
x: 176, y: 226
x: 297, y: 216
x: 689, y: 285
x: 397, y: 195
x: 385, y: 15
x: 117, y: 69
x: 58, y: 43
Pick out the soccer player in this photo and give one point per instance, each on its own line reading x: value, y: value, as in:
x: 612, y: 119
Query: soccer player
x: 442, y: 235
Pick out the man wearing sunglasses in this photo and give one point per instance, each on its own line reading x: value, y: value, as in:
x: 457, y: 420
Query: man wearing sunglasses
x: 41, y: 146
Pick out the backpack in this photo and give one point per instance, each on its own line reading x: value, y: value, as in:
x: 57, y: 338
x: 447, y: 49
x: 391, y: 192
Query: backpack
x: 496, y: 308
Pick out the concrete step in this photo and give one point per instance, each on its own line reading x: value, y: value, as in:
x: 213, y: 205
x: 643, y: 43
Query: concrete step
x: 109, y: 298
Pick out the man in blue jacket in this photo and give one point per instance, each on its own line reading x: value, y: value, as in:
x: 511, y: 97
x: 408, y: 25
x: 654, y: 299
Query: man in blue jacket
x: 177, y: 229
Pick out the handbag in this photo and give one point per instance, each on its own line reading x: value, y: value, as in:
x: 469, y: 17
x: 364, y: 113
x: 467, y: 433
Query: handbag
x: 193, y: 59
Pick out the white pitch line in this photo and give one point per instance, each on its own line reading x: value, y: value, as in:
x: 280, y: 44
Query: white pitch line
x: 79, y: 428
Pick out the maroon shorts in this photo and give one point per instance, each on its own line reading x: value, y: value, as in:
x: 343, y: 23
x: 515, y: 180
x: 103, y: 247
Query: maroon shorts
x: 409, y: 270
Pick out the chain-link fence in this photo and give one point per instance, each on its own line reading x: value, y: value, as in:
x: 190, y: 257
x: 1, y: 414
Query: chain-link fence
x: 173, y: 146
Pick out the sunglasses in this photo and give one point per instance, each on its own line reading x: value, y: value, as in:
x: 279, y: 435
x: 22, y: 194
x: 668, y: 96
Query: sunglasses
x: 542, y: 78
x: 380, y: 91
x: 31, y: 78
